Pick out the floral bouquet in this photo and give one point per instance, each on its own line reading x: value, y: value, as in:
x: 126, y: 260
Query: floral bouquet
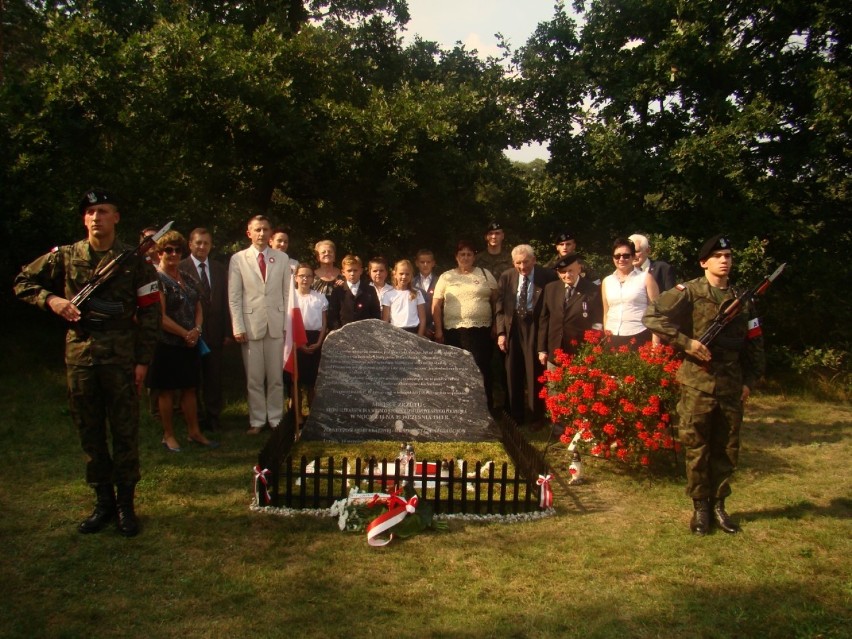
x: 383, y: 515
x: 616, y: 400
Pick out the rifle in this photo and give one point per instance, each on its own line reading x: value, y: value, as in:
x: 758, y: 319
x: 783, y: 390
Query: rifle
x: 733, y: 307
x: 109, y: 270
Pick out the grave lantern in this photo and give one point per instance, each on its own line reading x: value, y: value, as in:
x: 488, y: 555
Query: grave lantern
x: 576, y: 468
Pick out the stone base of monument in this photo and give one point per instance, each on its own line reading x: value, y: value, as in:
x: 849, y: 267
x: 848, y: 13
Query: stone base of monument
x: 380, y: 383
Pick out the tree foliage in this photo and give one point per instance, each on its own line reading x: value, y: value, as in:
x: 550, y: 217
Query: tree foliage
x: 676, y: 119
x: 687, y: 119
x: 206, y: 112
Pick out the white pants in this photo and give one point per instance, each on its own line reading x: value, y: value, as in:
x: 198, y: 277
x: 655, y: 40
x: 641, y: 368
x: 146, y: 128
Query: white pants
x: 264, y: 362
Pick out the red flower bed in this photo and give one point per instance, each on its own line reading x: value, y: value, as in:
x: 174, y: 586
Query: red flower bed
x: 621, y: 401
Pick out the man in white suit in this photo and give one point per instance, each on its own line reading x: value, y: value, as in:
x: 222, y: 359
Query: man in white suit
x: 258, y: 285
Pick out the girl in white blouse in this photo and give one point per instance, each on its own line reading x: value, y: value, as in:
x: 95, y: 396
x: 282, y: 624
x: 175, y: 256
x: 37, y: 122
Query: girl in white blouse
x: 404, y: 306
x: 314, y: 309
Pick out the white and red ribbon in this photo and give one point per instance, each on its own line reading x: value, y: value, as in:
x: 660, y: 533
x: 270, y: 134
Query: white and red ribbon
x: 261, y: 476
x: 754, y: 329
x: 148, y: 294
x: 399, y: 509
x: 546, y: 499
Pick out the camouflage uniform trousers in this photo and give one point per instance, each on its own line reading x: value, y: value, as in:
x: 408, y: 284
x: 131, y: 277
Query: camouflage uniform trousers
x: 101, y: 397
x: 710, y: 433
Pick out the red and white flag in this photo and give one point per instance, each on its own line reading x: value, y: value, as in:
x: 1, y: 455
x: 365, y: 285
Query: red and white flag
x: 295, y: 335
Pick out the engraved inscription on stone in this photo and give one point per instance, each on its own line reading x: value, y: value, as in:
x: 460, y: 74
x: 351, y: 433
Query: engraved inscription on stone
x: 377, y: 382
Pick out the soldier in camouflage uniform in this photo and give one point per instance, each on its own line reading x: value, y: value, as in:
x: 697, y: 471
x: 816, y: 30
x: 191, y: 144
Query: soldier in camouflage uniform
x: 110, y: 342
x: 715, y: 380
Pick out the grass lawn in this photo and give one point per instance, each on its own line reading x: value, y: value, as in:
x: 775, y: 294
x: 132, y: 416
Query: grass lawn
x: 617, y: 561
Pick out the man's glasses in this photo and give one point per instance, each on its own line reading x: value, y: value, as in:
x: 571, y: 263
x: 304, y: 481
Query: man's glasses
x: 170, y: 250
x: 622, y: 256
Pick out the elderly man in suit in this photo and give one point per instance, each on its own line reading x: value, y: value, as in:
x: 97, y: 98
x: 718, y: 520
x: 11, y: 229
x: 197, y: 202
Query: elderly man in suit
x: 259, y: 278
x: 571, y: 307
x: 519, y: 304
x: 662, y: 272
x: 212, y: 280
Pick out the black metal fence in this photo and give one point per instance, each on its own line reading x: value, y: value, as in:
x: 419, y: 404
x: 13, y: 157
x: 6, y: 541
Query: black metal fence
x: 450, y: 486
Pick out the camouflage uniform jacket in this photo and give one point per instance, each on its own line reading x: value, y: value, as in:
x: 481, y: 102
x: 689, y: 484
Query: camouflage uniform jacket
x: 685, y: 312
x: 127, y: 332
x: 497, y: 264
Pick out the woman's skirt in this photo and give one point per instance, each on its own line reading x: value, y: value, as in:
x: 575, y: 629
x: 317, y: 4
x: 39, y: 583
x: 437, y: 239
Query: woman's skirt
x: 174, y: 367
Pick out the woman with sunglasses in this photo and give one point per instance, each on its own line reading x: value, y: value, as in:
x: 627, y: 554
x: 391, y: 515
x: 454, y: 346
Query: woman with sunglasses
x: 177, y: 362
x: 626, y: 294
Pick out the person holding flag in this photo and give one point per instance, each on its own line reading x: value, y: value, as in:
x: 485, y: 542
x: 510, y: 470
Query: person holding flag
x: 307, y: 325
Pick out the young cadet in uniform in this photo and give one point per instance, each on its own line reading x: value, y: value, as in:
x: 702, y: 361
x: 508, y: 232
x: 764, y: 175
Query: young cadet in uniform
x: 715, y: 381
x: 110, y: 342
x: 495, y: 258
x: 424, y: 281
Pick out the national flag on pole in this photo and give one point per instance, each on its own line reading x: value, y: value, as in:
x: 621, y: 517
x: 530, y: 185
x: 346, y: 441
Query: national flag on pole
x: 295, y: 335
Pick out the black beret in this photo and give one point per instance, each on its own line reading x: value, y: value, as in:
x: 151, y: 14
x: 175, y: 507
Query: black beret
x: 494, y: 226
x: 564, y: 237
x: 96, y: 196
x: 567, y: 261
x: 716, y: 243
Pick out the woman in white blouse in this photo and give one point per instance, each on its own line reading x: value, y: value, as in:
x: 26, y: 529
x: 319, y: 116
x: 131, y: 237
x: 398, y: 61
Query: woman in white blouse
x: 626, y: 294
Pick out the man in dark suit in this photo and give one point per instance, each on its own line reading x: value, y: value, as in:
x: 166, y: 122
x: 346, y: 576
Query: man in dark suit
x: 519, y: 304
x: 355, y: 300
x: 212, y: 279
x: 571, y: 306
x: 662, y: 272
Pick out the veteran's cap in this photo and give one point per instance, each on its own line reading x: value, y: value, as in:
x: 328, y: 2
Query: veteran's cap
x: 566, y: 261
x: 716, y: 243
x: 494, y: 226
x: 565, y: 236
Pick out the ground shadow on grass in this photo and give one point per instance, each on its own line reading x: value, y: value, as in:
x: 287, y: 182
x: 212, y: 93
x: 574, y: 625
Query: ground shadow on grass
x: 796, y: 433
x: 764, y: 451
x: 838, y: 508
x: 763, y: 611
x: 763, y: 462
x: 767, y: 610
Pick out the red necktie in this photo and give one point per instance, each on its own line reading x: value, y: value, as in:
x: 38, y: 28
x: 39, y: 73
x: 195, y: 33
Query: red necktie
x: 262, y: 264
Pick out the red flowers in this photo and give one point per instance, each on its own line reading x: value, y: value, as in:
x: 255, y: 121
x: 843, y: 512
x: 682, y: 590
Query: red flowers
x: 619, y: 400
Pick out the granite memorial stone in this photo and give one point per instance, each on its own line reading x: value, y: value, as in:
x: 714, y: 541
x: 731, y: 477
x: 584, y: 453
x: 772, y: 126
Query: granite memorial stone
x: 378, y: 382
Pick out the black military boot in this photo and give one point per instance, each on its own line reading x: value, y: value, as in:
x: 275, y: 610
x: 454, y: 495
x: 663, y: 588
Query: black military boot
x: 104, y: 510
x: 700, y: 523
x: 128, y: 524
x: 723, y: 520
